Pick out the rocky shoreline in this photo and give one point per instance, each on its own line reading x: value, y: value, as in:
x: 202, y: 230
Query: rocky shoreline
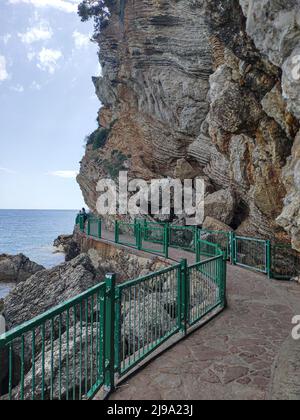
x: 66, y: 244
x: 37, y: 290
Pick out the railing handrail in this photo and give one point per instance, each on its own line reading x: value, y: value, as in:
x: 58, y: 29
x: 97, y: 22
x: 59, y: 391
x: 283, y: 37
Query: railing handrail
x: 148, y: 276
x: 199, y: 263
x: 48, y: 315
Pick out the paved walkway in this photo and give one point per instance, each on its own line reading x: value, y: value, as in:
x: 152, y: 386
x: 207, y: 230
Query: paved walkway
x: 246, y: 353
x: 232, y: 357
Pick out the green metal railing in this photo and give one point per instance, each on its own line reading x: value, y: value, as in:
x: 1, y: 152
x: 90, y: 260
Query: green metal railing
x: 71, y: 351
x: 220, y: 238
x: 59, y: 355
x: 183, y: 237
x: 206, y: 287
x: 127, y: 234
x: 276, y: 260
x: 147, y: 315
x: 285, y: 261
x: 94, y: 227
x: 252, y: 253
x: 74, y: 349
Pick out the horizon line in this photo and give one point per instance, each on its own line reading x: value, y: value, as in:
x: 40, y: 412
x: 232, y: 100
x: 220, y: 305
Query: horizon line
x: 19, y: 209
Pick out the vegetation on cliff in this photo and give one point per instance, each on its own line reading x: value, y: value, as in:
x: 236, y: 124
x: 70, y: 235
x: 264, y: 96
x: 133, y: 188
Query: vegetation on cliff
x: 97, y: 10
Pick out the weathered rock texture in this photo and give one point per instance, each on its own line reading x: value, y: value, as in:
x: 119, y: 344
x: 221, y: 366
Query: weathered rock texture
x: 47, y: 289
x: 205, y: 88
x: 68, y: 246
x: 17, y: 268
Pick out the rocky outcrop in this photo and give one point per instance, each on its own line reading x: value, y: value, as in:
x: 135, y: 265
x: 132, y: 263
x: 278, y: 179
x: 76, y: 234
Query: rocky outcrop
x: 47, y: 289
x: 210, y: 89
x: 156, y: 62
x: 68, y: 246
x: 58, y: 356
x: 220, y: 205
x: 17, y: 268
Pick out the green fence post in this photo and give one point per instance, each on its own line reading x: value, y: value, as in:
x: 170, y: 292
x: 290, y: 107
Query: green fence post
x: 116, y: 231
x: 224, y: 280
x: 166, y: 241
x: 139, y: 237
x: 81, y: 223
x: 232, y: 248
x: 268, y: 259
x: 198, y: 248
x: 109, y: 333
x: 195, y: 237
x: 184, y: 306
x: 99, y: 228
x: 118, y: 323
x: 89, y: 227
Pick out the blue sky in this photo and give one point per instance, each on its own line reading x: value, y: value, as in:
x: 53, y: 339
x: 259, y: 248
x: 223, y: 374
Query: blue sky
x: 47, y: 102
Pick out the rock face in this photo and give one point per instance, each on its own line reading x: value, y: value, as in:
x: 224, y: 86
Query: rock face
x: 18, y: 268
x: 210, y: 89
x: 47, y: 289
x: 68, y: 246
x: 156, y: 62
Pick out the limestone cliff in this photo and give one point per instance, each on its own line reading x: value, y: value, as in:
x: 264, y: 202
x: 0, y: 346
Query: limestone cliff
x: 204, y: 88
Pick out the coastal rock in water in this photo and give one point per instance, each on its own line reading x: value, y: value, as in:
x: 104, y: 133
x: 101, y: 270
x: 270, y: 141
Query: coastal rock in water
x: 68, y: 246
x: 62, y: 241
x: 17, y: 268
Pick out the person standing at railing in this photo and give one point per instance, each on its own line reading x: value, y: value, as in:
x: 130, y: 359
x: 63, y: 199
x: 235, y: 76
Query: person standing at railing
x: 84, y: 214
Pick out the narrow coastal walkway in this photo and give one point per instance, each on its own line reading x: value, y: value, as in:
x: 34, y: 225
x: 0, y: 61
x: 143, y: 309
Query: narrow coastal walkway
x: 245, y: 353
x: 233, y: 356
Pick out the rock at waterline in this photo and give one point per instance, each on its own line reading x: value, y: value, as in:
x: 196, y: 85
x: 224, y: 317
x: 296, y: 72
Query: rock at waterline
x: 17, y: 268
x: 65, y: 244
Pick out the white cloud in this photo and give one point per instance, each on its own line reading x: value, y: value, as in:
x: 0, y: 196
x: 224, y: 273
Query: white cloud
x: 48, y: 59
x: 64, y: 174
x: 6, y: 170
x: 35, y: 86
x: 69, y: 6
x: 42, y: 32
x: 81, y: 40
x: 18, y: 88
x: 5, y: 38
x: 3, y: 72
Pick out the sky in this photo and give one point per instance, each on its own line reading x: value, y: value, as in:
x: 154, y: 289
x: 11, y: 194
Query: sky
x: 47, y: 102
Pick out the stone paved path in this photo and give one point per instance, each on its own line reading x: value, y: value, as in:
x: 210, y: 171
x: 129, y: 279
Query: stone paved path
x: 232, y: 357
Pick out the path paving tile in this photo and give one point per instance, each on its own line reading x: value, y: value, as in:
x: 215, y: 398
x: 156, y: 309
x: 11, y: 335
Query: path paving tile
x: 233, y: 357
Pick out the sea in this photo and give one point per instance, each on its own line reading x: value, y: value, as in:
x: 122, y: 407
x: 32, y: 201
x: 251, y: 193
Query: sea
x: 32, y: 233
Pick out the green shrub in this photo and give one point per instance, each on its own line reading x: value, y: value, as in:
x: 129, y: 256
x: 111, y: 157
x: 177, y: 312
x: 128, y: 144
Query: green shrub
x: 115, y: 164
x: 98, y: 138
x: 97, y: 10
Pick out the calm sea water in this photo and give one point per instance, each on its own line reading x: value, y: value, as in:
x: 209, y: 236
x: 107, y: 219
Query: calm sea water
x: 32, y: 233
